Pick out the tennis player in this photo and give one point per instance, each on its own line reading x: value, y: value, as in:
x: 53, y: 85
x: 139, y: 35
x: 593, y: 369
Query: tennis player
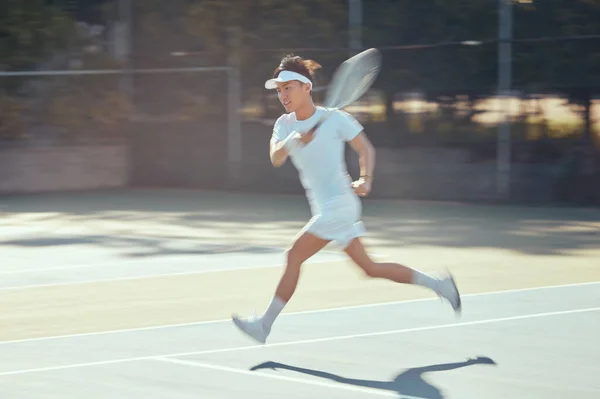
x: 334, y: 199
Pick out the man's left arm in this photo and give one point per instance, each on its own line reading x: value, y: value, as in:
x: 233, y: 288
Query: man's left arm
x: 366, y: 160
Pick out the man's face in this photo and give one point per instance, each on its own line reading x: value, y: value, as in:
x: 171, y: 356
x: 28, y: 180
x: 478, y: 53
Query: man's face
x: 293, y: 95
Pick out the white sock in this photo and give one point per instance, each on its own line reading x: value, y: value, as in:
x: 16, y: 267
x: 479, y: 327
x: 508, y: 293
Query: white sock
x: 275, y: 307
x: 423, y: 279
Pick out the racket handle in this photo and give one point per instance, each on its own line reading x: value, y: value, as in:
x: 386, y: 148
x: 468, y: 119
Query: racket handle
x: 320, y: 122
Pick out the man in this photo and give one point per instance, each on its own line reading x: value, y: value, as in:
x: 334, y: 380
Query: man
x: 318, y: 154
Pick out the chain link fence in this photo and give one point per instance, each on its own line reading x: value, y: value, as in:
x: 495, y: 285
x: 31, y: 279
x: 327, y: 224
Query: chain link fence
x: 193, y: 111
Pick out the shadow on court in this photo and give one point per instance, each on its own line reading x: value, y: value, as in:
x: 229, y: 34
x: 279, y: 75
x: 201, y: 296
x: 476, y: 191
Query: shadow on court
x: 141, y: 247
x: 408, y: 383
x: 528, y: 230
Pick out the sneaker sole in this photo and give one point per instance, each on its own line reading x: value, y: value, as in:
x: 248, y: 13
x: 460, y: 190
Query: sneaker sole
x: 239, y: 325
x: 458, y: 307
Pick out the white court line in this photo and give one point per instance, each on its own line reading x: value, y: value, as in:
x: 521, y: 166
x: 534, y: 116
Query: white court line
x: 125, y: 262
x: 285, y: 314
x: 300, y: 342
x: 179, y: 258
x: 72, y: 267
x: 156, y: 275
x: 372, y: 391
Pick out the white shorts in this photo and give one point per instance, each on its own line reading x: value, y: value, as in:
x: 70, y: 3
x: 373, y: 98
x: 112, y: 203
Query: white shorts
x: 338, y: 221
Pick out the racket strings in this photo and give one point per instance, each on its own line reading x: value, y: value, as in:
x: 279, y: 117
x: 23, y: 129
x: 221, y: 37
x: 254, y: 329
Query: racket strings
x: 353, y: 78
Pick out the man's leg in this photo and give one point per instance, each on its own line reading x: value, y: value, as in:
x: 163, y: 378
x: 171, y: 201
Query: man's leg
x: 303, y: 248
x: 445, y: 287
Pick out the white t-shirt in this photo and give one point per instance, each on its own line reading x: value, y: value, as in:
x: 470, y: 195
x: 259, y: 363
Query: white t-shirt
x: 321, y: 163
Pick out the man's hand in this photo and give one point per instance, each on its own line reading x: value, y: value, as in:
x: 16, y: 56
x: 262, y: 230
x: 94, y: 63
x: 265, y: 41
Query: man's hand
x: 362, y: 186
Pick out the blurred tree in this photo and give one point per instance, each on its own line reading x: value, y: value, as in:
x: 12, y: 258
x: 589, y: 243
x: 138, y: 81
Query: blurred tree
x: 432, y: 61
x: 11, y: 121
x: 44, y: 35
x: 267, y: 30
x: 568, y: 67
x: 423, y: 54
x: 30, y: 31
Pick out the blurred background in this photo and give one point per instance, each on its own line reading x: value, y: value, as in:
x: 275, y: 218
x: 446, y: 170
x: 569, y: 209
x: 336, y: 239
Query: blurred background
x: 478, y: 100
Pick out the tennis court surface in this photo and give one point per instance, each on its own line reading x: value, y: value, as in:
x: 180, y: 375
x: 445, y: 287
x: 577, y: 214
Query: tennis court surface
x: 127, y: 294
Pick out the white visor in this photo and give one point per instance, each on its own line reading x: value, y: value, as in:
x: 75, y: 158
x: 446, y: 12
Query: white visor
x: 286, y: 76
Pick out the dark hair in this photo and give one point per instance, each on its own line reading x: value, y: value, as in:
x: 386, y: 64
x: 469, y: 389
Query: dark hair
x: 295, y: 63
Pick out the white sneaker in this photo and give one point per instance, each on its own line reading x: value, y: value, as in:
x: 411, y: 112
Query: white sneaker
x: 253, y: 327
x: 449, y: 291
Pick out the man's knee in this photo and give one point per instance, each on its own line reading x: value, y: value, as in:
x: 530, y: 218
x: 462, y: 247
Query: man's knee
x: 369, y: 267
x: 294, y: 257
x: 359, y: 256
x: 305, y: 246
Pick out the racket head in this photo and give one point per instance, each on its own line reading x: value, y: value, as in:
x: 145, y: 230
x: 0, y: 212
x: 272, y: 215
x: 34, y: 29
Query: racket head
x: 353, y: 78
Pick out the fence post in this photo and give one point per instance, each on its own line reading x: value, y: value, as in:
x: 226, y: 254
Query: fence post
x: 234, y: 138
x: 503, y: 157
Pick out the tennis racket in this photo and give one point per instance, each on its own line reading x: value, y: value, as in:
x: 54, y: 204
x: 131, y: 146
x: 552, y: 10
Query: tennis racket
x: 350, y: 81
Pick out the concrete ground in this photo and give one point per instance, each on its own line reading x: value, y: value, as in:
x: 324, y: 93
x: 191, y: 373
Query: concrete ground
x: 128, y: 293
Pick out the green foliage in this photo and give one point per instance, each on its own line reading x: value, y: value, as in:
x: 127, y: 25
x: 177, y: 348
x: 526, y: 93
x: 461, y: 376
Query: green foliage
x: 210, y: 28
x: 31, y: 31
x: 560, y: 64
x: 86, y: 105
x: 11, y: 117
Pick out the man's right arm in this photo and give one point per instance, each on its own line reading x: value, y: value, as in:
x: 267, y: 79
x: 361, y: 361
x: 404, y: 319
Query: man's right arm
x: 277, y: 149
x: 278, y: 152
x: 281, y: 149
